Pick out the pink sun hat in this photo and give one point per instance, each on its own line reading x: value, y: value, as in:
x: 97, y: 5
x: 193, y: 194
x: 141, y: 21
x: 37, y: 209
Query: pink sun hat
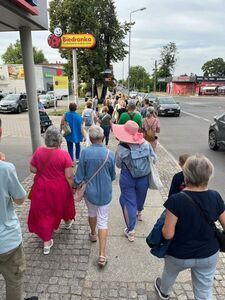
x: 128, y: 133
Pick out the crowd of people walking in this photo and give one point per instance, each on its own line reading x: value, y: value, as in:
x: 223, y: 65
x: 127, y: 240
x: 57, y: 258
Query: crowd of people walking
x: 58, y: 174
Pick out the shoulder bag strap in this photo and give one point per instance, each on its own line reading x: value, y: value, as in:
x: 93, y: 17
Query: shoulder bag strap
x: 209, y: 222
x: 106, y: 158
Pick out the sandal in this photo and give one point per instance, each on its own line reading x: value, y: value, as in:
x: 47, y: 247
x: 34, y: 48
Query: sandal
x: 102, y: 261
x: 129, y: 235
x: 93, y: 237
x: 46, y: 249
x: 69, y: 224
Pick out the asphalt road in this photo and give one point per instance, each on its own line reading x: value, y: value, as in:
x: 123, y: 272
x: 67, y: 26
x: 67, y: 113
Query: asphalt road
x: 189, y: 133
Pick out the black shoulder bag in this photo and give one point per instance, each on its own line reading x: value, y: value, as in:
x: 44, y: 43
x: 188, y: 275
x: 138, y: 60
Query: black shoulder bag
x: 220, y: 234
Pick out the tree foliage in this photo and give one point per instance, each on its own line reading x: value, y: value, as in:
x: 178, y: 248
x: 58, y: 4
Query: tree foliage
x: 99, y: 18
x: 214, y: 67
x: 139, y: 78
x: 168, y: 59
x: 13, y: 55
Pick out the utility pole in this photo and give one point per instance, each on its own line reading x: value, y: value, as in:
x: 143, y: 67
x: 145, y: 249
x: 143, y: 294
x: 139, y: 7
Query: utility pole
x: 155, y: 76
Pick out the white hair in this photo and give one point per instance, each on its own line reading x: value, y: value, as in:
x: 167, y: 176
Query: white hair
x: 96, y: 132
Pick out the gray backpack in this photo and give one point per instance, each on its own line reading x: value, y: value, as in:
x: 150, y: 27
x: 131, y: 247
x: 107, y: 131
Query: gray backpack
x: 138, y: 160
x: 88, y: 120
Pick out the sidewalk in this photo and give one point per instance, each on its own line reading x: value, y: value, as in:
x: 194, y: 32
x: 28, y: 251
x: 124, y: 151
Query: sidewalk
x: 70, y: 272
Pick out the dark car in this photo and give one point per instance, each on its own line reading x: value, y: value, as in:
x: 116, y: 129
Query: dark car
x: 167, y: 106
x: 2, y: 95
x: 14, y: 103
x: 217, y: 133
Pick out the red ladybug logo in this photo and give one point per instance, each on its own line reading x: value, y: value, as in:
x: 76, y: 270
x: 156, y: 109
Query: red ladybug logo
x: 54, y: 41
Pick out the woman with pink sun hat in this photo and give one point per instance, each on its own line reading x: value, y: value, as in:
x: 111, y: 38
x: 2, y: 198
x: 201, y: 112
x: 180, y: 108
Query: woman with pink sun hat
x: 132, y: 157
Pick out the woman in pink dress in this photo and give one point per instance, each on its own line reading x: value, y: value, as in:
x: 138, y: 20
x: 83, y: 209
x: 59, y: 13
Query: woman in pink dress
x: 152, y: 122
x: 52, y: 195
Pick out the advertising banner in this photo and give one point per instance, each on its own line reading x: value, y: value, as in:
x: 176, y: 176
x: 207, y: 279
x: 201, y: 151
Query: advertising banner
x: 61, y: 85
x: 16, y: 72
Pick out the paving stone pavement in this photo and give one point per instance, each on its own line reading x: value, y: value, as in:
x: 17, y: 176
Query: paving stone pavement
x: 63, y: 274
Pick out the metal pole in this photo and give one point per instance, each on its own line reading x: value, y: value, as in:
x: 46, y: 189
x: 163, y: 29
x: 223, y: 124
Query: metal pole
x: 155, y: 76
x: 75, y: 81
x: 128, y: 79
x: 30, y: 83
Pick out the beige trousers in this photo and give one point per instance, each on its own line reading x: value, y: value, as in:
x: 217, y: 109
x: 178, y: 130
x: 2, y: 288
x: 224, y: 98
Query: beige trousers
x: 12, y: 268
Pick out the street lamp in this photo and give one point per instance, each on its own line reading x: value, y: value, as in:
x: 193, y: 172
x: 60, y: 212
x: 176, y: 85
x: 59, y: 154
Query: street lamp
x: 128, y: 81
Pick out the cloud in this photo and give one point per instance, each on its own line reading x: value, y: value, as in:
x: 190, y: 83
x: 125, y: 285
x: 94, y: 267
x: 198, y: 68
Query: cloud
x: 196, y: 26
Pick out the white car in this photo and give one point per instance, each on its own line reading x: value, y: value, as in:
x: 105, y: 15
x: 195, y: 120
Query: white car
x: 58, y: 97
x: 48, y: 100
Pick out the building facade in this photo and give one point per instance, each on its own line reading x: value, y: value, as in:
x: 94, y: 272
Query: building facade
x: 195, y: 85
x: 12, y: 78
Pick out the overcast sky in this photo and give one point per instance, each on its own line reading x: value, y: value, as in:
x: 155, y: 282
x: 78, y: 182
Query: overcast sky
x: 196, y: 26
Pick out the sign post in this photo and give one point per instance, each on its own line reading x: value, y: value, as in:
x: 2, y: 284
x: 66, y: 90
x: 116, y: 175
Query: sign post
x: 75, y: 79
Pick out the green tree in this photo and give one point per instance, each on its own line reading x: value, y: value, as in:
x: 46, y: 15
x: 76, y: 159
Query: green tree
x: 168, y: 59
x: 214, y: 67
x: 139, y: 78
x: 95, y: 16
x: 13, y: 55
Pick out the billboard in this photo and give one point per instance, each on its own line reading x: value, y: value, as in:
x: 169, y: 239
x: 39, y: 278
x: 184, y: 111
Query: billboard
x: 61, y: 85
x: 16, y: 72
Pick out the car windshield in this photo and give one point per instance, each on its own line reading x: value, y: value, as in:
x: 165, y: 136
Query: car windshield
x: 167, y: 101
x: 11, y: 97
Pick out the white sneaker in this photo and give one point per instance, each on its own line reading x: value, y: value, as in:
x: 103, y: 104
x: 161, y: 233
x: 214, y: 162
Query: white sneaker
x: 46, y: 249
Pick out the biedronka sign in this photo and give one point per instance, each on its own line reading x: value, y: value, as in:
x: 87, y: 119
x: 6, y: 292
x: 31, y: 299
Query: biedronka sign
x: 71, y: 41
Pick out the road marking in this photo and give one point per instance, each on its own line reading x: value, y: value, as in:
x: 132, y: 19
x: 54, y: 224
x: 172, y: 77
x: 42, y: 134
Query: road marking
x: 196, y: 116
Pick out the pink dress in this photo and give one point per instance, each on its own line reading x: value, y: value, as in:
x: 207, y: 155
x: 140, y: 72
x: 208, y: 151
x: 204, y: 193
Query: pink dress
x: 52, y: 197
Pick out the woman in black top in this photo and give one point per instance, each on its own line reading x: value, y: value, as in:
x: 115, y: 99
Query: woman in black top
x: 194, y: 244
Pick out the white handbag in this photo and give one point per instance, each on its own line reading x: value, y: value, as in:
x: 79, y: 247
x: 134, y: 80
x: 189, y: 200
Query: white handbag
x: 154, y: 180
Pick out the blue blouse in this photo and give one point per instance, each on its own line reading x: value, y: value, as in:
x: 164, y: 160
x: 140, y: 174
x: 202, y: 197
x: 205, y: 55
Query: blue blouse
x: 75, y: 121
x: 99, y: 189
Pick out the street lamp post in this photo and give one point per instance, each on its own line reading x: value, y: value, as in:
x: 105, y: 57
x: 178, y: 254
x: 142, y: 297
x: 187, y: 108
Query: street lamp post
x: 155, y: 76
x: 128, y: 81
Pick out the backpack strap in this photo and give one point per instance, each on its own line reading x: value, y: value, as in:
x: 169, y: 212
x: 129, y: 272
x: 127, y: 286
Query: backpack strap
x: 131, y: 115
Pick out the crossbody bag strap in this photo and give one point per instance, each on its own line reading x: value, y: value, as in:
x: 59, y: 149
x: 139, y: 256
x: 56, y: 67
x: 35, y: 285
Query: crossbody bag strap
x: 99, y: 169
x: 210, y: 223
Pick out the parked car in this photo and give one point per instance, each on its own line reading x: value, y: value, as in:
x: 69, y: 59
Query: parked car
x: 41, y: 92
x: 14, y: 103
x: 2, y: 95
x: 58, y: 97
x: 48, y: 100
x: 151, y: 97
x: 133, y: 94
x: 217, y: 132
x: 167, y: 106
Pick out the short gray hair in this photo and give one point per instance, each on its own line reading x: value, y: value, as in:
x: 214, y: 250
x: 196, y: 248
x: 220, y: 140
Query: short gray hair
x: 131, y: 104
x: 53, y: 137
x: 197, y: 170
x: 96, y: 132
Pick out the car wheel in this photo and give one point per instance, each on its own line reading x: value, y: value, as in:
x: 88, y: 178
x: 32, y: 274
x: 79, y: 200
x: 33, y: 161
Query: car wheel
x: 47, y: 105
x: 177, y: 115
x: 19, y: 109
x: 213, y: 141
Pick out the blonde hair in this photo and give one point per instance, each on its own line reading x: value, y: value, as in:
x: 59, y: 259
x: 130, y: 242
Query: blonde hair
x: 197, y: 170
x: 105, y: 109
